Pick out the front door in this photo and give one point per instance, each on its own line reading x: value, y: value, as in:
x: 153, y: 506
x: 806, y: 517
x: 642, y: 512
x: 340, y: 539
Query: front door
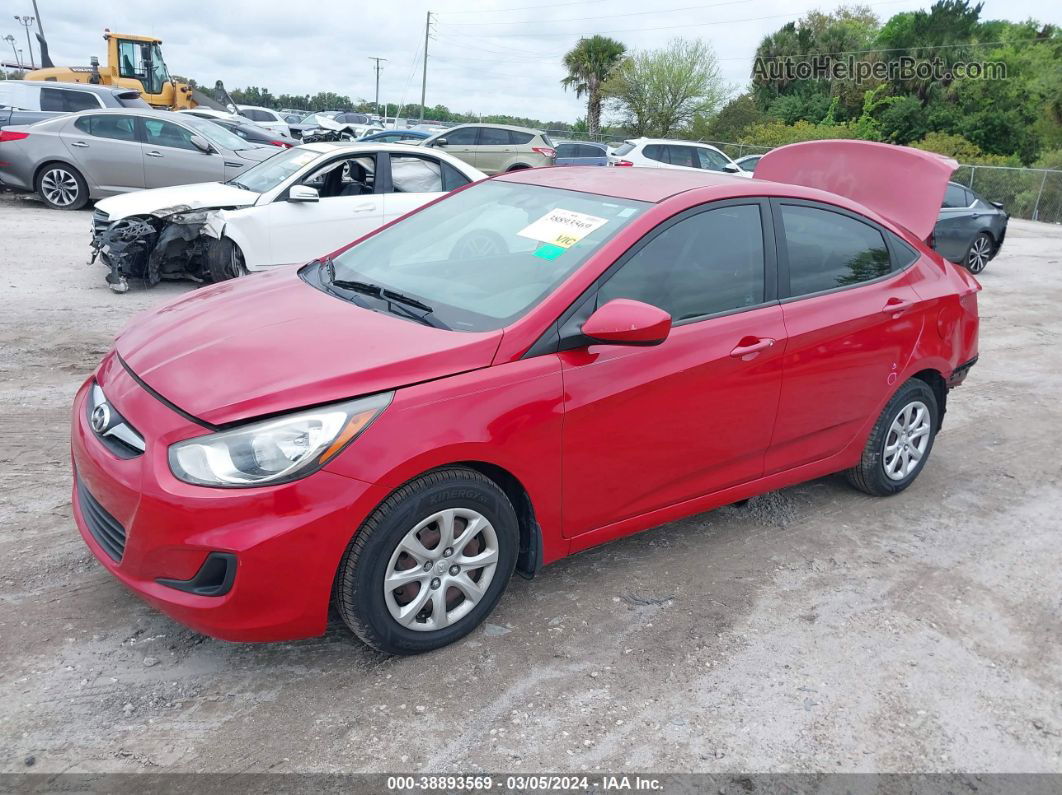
x: 461, y: 143
x: 415, y: 180
x: 648, y: 427
x: 852, y: 320
x: 348, y: 206
x: 170, y: 157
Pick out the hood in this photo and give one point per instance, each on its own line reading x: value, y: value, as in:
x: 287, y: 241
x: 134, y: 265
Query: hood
x: 902, y: 184
x: 203, y: 195
x: 270, y: 342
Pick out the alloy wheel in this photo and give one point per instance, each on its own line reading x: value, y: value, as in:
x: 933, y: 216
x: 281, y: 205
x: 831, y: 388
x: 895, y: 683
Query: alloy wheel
x: 59, y: 187
x: 441, y: 569
x: 980, y: 251
x: 907, y: 440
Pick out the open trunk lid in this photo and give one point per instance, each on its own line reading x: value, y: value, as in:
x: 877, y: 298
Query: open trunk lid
x: 902, y: 184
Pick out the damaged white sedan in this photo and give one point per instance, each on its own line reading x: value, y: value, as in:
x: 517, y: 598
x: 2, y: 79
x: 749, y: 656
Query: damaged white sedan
x: 299, y: 205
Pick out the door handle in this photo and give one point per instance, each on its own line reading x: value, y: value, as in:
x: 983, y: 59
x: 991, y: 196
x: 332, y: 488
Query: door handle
x: 895, y: 305
x: 79, y: 144
x: 364, y: 208
x: 752, y: 345
x: 153, y: 154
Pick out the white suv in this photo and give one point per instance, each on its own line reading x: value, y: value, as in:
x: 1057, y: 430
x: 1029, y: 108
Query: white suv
x: 665, y: 153
x: 264, y: 117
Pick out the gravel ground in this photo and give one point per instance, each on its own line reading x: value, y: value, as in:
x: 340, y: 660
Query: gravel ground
x: 815, y: 629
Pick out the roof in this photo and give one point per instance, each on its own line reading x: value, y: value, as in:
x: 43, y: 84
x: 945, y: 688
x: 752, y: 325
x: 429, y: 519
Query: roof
x: 639, y: 184
x: 644, y: 140
x: 495, y: 126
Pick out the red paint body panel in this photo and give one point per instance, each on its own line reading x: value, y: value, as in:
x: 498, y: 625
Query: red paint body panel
x: 605, y: 440
x: 868, y: 173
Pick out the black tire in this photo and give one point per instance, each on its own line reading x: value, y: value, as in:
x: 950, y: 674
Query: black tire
x: 359, y: 587
x: 518, y: 167
x: 981, y: 250
x: 224, y: 260
x: 61, y: 187
x: 870, y: 475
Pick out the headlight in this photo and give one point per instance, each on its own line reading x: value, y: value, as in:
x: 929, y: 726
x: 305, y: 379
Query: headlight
x: 277, y: 450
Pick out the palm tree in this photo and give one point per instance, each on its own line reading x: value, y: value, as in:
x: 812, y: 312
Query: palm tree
x: 589, y: 64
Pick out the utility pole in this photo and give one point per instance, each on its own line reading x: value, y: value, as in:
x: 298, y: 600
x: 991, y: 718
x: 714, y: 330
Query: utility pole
x: 26, y: 22
x: 377, y: 68
x: 424, y: 74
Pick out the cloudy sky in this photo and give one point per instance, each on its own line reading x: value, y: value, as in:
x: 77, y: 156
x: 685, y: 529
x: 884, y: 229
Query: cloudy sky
x: 500, y: 56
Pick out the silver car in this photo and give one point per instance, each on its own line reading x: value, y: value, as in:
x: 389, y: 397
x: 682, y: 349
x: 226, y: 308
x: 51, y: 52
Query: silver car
x: 71, y: 159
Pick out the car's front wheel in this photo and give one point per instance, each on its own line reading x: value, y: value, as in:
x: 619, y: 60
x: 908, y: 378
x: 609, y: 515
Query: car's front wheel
x: 224, y: 260
x: 62, y: 187
x: 900, y: 443
x: 980, y: 252
x: 430, y: 563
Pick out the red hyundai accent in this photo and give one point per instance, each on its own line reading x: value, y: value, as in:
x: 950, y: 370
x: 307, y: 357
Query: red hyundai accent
x: 530, y: 366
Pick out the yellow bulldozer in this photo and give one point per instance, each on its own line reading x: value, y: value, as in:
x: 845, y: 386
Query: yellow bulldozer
x: 132, y: 62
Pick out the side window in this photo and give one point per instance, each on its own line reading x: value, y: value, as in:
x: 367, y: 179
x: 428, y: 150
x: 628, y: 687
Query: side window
x: 590, y: 151
x: 713, y: 161
x: 656, y: 152
x: 519, y: 138
x: 489, y: 136
x: 466, y: 136
x: 683, y: 156
x: 411, y: 174
x: 120, y: 128
x: 955, y: 196
x: 67, y: 101
x: 349, y: 176
x: 710, y: 262
x: 829, y: 250
x: 128, y: 59
x: 163, y: 133
x: 452, y: 178
x: 568, y: 150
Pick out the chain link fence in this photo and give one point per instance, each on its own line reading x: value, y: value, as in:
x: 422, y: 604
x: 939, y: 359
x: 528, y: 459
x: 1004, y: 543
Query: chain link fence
x: 1032, y: 193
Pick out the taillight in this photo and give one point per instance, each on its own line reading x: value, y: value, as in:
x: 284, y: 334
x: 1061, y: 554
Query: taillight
x: 281, y: 144
x: 11, y: 135
x: 623, y: 163
x: 548, y: 151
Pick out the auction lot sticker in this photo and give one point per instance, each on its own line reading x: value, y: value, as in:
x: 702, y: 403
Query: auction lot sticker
x: 562, y: 228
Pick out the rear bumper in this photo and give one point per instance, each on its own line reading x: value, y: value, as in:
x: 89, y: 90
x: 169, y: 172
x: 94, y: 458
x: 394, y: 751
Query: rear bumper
x: 286, y: 540
x: 958, y: 375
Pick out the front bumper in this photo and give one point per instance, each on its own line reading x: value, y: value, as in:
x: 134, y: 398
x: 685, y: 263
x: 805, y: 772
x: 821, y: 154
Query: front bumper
x: 287, y: 540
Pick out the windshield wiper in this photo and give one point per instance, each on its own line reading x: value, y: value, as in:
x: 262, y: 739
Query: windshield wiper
x: 395, y: 300
x: 238, y: 184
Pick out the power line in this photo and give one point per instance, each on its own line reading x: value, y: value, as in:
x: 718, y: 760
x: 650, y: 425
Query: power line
x: 674, y: 27
x: 608, y: 16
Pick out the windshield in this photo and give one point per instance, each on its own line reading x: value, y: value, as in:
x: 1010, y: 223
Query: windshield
x: 269, y: 173
x: 484, y: 256
x: 215, y: 133
x: 623, y: 148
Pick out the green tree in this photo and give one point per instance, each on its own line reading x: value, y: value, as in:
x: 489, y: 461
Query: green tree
x: 659, y: 91
x: 590, y: 63
x: 730, y: 123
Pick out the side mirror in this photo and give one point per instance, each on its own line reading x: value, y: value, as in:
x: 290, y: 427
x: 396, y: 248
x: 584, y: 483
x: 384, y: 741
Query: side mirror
x: 303, y: 193
x: 732, y: 168
x: 997, y: 205
x: 626, y: 322
x: 439, y: 142
x: 202, y: 144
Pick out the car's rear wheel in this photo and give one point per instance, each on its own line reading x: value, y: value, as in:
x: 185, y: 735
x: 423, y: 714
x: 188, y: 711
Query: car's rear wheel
x: 900, y: 443
x: 224, y: 260
x: 62, y: 187
x: 979, y: 253
x: 430, y: 563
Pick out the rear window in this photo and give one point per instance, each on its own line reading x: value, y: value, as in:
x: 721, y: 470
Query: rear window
x: 623, y: 148
x: 546, y: 140
x: 956, y: 196
x: 67, y: 101
x: 131, y: 99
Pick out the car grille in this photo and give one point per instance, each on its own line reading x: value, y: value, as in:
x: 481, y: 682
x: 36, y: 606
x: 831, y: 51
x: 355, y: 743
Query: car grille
x: 107, y: 530
x: 100, y: 221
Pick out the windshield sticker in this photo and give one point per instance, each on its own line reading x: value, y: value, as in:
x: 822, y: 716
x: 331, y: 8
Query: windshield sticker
x: 549, y: 251
x: 562, y: 228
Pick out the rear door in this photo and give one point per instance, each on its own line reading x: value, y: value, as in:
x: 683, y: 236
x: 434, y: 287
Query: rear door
x: 494, y: 150
x: 645, y: 428
x: 107, y: 149
x: 415, y: 179
x: 170, y: 157
x: 852, y: 318
x: 955, y: 226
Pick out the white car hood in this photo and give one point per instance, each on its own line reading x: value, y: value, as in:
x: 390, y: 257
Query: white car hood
x: 202, y: 195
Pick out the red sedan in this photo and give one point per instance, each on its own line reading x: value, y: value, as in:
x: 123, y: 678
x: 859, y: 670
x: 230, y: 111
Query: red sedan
x: 530, y: 366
